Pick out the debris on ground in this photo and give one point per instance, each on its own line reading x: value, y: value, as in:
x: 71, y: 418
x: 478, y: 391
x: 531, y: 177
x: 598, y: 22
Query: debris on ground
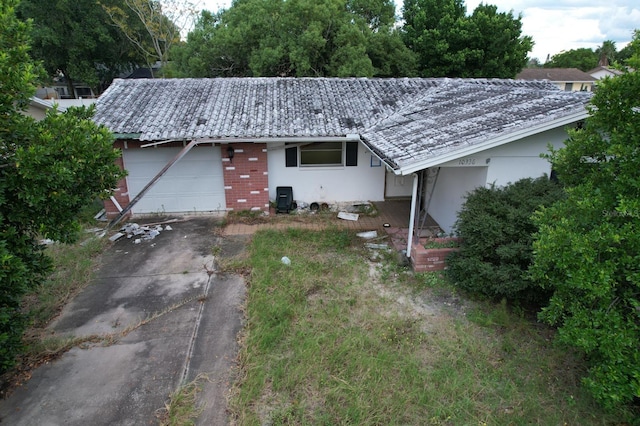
x: 140, y: 232
x: 101, y: 216
x: 116, y: 237
x: 383, y: 246
x: 368, y: 235
x: 285, y: 260
x: 348, y: 216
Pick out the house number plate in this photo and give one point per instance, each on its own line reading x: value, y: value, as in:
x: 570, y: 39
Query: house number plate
x: 468, y: 162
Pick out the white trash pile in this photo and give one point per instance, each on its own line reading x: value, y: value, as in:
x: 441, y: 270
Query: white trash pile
x: 140, y: 233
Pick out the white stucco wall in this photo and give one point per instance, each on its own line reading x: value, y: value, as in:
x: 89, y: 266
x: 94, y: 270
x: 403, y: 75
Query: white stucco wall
x: 450, y: 191
x: 500, y: 166
x: 521, y: 159
x: 363, y: 182
x: 398, y: 186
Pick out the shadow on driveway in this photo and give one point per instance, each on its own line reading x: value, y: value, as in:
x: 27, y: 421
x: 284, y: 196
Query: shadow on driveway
x: 183, y: 321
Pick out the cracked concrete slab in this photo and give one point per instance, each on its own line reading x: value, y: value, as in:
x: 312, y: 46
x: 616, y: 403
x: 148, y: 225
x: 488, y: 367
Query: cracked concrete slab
x: 127, y: 382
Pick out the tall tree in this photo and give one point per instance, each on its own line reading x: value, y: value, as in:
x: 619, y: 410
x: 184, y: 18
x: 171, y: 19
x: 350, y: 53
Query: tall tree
x: 74, y: 38
x: 586, y: 250
x: 451, y: 44
x: 48, y: 171
x: 606, y: 53
x: 584, y: 59
x: 296, y: 38
x: 629, y: 56
x: 163, y: 24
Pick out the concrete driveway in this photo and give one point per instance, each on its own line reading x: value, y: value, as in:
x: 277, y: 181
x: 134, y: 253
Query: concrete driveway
x: 195, y: 320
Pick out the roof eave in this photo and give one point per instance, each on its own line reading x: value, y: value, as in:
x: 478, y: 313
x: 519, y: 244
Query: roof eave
x: 127, y: 135
x: 491, y: 143
x: 350, y: 137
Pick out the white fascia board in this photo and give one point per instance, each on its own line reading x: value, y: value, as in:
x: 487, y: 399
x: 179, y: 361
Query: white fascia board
x: 491, y: 143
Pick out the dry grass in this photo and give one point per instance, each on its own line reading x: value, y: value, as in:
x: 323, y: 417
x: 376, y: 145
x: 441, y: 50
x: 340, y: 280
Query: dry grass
x: 331, y: 340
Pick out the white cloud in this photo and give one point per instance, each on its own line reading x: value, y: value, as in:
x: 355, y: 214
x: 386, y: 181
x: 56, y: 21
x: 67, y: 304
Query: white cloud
x: 560, y: 25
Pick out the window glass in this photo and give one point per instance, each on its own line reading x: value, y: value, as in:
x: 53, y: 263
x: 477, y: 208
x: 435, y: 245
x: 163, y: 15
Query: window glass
x: 321, y: 154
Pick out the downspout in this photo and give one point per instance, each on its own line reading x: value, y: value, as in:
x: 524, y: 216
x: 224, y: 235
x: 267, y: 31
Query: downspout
x: 412, y: 217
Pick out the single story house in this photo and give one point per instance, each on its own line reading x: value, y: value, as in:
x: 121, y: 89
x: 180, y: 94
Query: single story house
x: 600, y: 72
x: 232, y: 141
x: 569, y: 79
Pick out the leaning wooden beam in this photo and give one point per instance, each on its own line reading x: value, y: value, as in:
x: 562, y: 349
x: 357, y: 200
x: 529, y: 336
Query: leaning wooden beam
x: 157, y: 177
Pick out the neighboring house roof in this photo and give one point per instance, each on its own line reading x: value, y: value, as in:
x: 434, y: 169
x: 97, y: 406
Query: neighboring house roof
x: 405, y: 121
x: 601, y: 71
x: 555, y: 74
x: 38, y: 108
x: 45, y: 104
x: 141, y: 73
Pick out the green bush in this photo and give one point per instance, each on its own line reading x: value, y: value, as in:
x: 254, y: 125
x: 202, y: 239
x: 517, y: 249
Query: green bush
x: 587, y: 247
x: 496, y: 228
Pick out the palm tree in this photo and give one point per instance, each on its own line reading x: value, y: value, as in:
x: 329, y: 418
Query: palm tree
x: 606, y: 53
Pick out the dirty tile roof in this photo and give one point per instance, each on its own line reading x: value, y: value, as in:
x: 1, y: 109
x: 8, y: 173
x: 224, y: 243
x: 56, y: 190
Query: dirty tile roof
x: 402, y: 120
x: 252, y: 107
x: 462, y: 113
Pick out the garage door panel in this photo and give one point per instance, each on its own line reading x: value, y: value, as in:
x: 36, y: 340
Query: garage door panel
x: 194, y: 183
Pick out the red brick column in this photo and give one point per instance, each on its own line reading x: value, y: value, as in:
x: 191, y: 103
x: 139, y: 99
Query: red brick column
x: 246, y: 180
x: 121, y: 194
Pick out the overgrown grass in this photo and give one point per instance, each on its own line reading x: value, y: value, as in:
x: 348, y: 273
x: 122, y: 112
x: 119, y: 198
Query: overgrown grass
x: 182, y: 408
x: 74, y: 265
x: 73, y: 268
x: 331, y: 340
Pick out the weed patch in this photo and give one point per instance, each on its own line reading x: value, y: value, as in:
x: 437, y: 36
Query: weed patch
x: 330, y: 339
x: 182, y: 408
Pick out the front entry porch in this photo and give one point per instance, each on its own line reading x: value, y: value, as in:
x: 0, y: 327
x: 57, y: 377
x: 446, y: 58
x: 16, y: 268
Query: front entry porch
x: 396, y: 214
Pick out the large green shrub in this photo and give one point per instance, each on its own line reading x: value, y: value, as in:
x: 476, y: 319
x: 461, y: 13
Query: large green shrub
x: 496, y: 227
x: 49, y: 170
x: 587, y: 249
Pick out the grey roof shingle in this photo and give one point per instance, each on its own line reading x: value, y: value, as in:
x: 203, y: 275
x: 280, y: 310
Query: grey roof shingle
x: 251, y: 107
x: 404, y: 121
x: 462, y: 113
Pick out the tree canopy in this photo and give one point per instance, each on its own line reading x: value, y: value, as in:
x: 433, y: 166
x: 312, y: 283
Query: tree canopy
x: 586, y: 249
x: 630, y: 54
x: 296, y: 38
x: 451, y: 44
x: 76, y: 38
x: 584, y: 59
x: 48, y: 171
x: 152, y: 27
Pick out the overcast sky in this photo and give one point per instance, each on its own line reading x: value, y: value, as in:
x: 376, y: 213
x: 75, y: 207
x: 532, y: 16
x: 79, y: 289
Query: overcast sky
x: 555, y: 25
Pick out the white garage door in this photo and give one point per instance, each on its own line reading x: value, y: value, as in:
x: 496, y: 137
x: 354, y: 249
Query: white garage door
x: 193, y: 184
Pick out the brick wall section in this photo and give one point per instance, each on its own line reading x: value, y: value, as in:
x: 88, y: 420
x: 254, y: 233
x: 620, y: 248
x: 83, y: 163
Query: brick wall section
x: 246, y: 180
x: 432, y: 259
x: 121, y: 194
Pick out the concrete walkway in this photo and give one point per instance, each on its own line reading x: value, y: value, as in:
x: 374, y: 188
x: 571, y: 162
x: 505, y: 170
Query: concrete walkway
x: 182, y: 322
